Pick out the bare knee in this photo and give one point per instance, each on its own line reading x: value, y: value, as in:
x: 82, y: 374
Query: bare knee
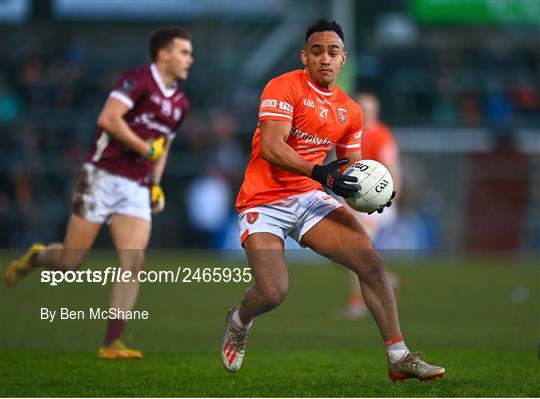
x: 272, y: 297
x: 67, y: 260
x: 132, y: 260
x: 369, y: 265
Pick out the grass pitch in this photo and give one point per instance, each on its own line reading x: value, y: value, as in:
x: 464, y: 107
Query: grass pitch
x: 480, y: 321
x: 278, y: 373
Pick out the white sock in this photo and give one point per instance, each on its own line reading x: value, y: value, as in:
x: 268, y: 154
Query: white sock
x: 397, y: 351
x: 236, y: 320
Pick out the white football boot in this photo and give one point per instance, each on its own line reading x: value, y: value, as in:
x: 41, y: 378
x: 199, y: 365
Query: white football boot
x: 412, y: 366
x: 234, y: 343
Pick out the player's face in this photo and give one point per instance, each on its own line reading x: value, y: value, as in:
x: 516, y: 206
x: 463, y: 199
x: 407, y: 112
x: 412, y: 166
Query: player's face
x: 324, y: 55
x: 179, y: 57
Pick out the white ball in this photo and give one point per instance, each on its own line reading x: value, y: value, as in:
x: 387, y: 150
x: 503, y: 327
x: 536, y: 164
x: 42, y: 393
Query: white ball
x: 376, y: 182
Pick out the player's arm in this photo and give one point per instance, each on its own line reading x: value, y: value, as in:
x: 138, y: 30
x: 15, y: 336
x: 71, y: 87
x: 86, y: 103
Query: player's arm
x: 157, y: 196
x: 352, y: 156
x: 275, y: 150
x: 112, y: 121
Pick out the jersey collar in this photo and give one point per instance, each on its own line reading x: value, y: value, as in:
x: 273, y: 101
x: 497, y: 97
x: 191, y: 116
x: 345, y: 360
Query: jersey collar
x: 317, y: 88
x: 166, y: 91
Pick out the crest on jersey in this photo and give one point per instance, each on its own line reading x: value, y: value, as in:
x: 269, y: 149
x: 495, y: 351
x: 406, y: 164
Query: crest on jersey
x: 341, y: 114
x: 128, y: 86
x: 252, y: 217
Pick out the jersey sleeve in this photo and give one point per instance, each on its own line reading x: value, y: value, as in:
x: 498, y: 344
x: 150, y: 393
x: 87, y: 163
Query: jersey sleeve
x: 278, y: 100
x: 128, y: 89
x: 352, y: 139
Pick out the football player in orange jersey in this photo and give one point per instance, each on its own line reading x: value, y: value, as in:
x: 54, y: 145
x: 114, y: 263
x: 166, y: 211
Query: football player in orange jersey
x: 378, y: 144
x: 302, y: 115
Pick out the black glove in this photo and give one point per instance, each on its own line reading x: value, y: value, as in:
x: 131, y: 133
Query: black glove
x: 329, y: 176
x: 388, y: 204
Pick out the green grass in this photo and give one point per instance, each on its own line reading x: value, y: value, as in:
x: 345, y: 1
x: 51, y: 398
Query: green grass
x: 480, y: 321
x: 266, y: 373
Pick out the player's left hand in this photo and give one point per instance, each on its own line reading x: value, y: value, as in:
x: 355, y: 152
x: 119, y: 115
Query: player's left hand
x: 388, y: 204
x: 157, y: 199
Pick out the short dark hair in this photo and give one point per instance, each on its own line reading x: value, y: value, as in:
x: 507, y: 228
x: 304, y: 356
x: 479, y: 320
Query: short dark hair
x: 324, y: 25
x: 163, y: 37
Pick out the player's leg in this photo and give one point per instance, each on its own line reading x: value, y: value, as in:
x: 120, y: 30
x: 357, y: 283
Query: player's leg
x: 67, y: 255
x: 341, y: 238
x: 130, y: 236
x: 88, y: 212
x: 79, y: 238
x: 265, y: 253
x: 356, y: 307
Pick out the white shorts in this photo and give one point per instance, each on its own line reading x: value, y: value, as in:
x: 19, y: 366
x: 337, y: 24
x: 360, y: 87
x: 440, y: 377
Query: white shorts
x: 99, y: 194
x: 292, y: 216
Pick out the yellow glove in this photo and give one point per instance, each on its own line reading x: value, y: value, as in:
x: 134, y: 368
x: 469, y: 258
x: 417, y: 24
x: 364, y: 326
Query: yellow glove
x: 157, y: 199
x: 156, y: 149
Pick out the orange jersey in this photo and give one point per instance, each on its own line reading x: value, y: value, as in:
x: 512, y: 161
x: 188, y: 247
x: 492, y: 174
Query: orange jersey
x: 379, y: 144
x: 320, y: 120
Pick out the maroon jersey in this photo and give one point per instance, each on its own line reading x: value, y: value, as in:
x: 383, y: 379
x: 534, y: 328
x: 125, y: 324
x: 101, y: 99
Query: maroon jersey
x: 154, y: 110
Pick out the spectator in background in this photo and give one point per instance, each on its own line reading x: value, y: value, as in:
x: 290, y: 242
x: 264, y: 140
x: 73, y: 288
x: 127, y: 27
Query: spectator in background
x: 209, y: 196
x: 208, y: 202
x: 227, y: 154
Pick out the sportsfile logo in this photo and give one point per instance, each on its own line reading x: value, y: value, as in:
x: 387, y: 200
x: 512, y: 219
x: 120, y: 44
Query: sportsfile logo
x: 178, y: 275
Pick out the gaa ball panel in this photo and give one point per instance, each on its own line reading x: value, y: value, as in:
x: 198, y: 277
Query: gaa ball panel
x: 377, y: 185
x: 383, y: 187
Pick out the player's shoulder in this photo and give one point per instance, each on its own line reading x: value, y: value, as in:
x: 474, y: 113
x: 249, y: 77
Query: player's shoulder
x: 181, y: 97
x: 288, y: 78
x: 347, y: 100
x: 349, y: 104
x: 140, y: 73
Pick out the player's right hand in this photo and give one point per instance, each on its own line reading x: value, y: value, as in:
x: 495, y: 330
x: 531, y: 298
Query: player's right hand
x: 157, y: 147
x: 329, y: 176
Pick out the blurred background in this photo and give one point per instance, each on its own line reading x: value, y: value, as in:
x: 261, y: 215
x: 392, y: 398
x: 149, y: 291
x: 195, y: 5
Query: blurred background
x: 458, y: 81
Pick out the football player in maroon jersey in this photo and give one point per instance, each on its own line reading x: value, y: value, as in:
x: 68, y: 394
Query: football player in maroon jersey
x: 119, y: 183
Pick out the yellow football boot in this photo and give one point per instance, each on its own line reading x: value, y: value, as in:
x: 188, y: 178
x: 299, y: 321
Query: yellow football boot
x: 118, y: 351
x: 19, y: 268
